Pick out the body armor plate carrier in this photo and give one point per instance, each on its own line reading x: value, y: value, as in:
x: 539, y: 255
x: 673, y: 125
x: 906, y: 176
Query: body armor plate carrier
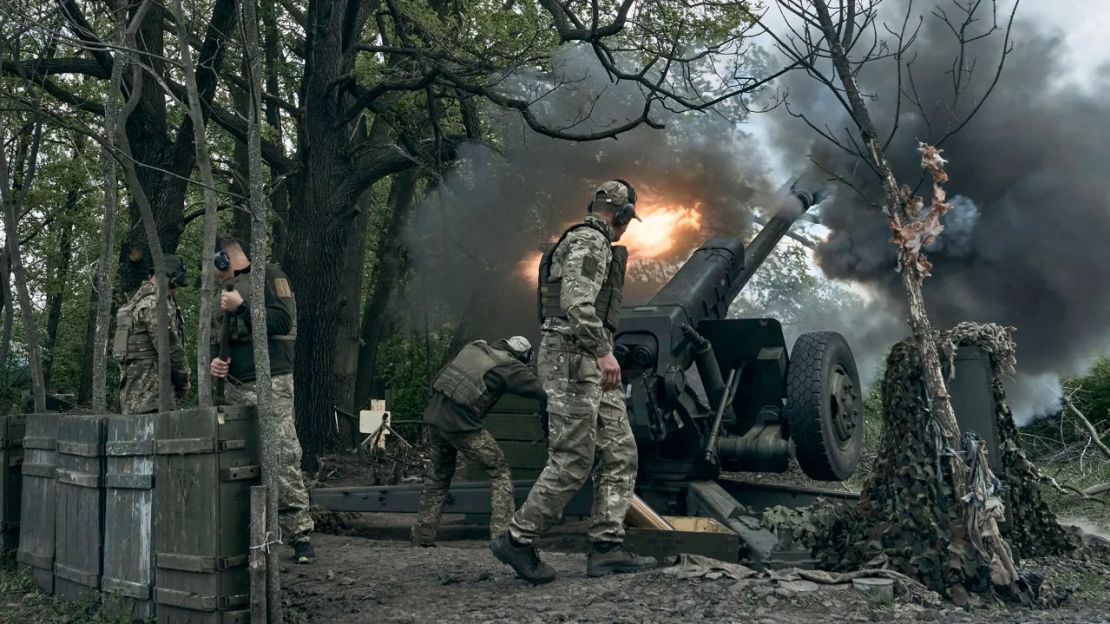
x: 608, y: 302
x: 463, y: 379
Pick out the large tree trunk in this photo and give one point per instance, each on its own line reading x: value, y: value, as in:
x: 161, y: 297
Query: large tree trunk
x: 167, y: 161
x: 142, y: 201
x: 54, y: 300
x: 387, y: 275
x: 348, y: 308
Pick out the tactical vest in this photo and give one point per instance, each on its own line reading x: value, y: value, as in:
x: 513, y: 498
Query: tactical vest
x: 608, y: 302
x: 240, y: 332
x: 463, y: 379
x: 129, y: 343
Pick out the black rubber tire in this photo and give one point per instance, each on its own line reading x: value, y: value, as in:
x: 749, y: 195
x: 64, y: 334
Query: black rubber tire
x: 822, y: 454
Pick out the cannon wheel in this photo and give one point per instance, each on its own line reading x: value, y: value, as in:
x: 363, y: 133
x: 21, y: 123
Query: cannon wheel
x: 824, y: 406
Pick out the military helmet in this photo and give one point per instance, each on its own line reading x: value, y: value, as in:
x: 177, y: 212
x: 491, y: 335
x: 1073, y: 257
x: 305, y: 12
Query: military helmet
x: 175, y: 270
x: 619, y: 198
x: 521, y: 348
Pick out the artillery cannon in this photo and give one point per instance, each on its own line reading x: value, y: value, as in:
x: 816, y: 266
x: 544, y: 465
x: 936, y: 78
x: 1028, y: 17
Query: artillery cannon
x: 706, y: 394
x: 690, y: 420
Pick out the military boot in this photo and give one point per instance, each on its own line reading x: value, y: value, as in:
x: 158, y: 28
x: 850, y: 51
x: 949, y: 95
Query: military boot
x: 612, y: 558
x: 303, y: 552
x: 523, y: 558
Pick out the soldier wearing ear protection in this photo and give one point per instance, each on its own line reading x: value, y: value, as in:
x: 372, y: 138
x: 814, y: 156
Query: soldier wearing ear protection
x: 462, y: 393
x: 135, y: 344
x: 233, y: 269
x: 579, y: 298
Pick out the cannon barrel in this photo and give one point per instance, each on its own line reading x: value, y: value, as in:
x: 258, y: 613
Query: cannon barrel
x: 716, y: 273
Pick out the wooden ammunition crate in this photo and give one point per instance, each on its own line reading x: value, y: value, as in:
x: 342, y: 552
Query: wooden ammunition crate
x: 37, y: 501
x: 205, y: 462
x: 79, y: 517
x: 129, y: 512
x: 12, y: 429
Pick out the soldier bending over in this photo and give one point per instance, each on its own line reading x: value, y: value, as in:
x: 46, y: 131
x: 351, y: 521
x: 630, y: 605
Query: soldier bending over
x: 462, y: 393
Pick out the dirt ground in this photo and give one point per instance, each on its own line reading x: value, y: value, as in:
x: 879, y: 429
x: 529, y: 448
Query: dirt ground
x: 371, y: 574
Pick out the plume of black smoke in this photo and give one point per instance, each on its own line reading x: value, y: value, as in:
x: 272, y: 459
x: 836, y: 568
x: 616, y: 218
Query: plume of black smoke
x: 495, y: 208
x: 1025, y: 243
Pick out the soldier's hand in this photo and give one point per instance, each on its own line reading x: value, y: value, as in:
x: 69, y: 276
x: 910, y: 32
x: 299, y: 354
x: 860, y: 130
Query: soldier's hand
x: 230, y: 300
x: 219, y: 368
x: 184, y: 390
x: 610, y: 371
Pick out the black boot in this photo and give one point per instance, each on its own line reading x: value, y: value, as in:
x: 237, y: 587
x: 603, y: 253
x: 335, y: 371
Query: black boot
x: 612, y: 558
x: 303, y: 552
x: 523, y: 558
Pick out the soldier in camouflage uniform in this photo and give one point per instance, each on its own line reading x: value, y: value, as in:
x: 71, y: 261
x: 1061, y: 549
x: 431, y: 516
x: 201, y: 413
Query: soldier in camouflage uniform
x: 579, y: 299
x: 233, y: 269
x: 135, y: 345
x: 462, y: 393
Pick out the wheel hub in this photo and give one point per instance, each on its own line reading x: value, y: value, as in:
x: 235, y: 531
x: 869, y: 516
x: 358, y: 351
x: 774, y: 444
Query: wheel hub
x: 842, y: 403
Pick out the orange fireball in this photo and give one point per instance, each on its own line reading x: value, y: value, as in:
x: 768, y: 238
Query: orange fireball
x: 662, y: 227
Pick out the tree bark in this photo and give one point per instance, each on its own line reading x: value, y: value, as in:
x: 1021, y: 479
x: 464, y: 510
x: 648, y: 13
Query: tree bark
x: 150, y: 226
x: 204, y: 164
x: 260, y: 247
x: 897, y: 215
x: 348, y: 308
x: 387, y: 274
x: 56, y: 297
x: 12, y: 203
x: 166, y: 155
x: 105, y: 267
x: 6, y: 310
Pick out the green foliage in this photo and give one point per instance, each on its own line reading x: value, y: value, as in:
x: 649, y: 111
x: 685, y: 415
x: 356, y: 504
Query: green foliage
x: 1091, y: 392
x: 407, y: 363
x: 23, y: 603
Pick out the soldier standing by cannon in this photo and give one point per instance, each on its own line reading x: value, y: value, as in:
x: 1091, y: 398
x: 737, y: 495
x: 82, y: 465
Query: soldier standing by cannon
x: 580, y: 283
x: 135, y: 344
x: 233, y: 269
x: 462, y: 393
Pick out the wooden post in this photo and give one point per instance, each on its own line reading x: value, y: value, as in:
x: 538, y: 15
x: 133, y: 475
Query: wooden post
x: 258, y: 539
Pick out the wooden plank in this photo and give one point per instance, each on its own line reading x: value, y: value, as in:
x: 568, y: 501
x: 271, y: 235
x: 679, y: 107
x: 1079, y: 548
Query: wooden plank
x: 79, y: 521
x: 129, y: 512
x: 12, y: 429
x: 38, y: 501
x: 201, y: 520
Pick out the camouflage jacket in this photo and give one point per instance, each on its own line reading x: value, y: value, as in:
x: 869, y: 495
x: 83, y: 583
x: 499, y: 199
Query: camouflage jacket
x: 582, y: 262
x: 139, y: 362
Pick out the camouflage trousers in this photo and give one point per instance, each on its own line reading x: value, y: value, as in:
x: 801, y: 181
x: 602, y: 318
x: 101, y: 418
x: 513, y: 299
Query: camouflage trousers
x: 587, y: 426
x: 477, y: 448
x: 294, y: 519
x: 139, y: 387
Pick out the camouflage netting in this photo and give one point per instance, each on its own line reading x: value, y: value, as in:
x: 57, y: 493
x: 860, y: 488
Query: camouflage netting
x: 908, y: 519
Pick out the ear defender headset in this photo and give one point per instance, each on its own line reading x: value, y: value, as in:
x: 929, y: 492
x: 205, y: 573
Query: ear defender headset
x: 220, y: 259
x: 624, y: 214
